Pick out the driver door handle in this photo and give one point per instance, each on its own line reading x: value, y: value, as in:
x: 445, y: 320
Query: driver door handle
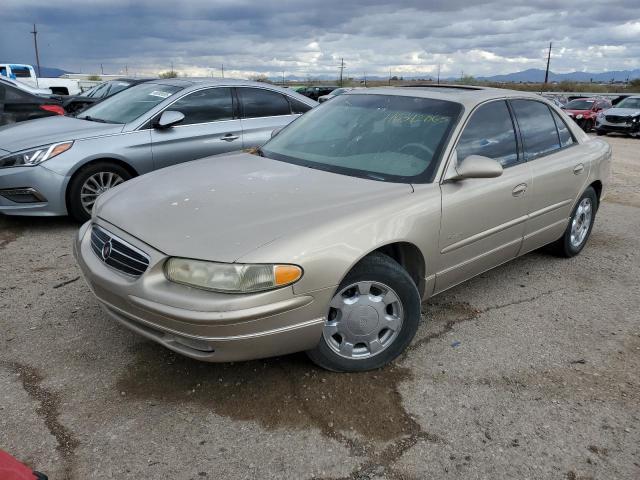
x: 519, y: 190
x: 578, y: 169
x: 230, y: 137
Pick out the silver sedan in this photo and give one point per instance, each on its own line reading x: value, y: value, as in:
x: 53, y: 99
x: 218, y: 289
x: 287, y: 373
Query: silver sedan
x: 59, y: 166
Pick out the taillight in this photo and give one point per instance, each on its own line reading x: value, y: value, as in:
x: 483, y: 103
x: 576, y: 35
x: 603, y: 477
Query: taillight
x: 57, y: 109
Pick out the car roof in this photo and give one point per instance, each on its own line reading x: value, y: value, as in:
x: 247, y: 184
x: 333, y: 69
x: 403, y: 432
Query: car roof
x: 469, y: 96
x: 189, y: 82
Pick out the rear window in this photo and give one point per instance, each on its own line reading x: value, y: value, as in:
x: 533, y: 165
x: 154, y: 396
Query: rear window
x: 259, y: 102
x: 21, y: 72
x: 538, y: 128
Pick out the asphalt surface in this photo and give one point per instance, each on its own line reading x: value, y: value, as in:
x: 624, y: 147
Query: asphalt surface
x: 530, y: 371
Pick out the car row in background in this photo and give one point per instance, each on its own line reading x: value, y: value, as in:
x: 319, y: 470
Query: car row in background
x: 584, y: 111
x: 18, y: 103
x: 75, y: 104
x: 623, y: 118
x: 59, y: 166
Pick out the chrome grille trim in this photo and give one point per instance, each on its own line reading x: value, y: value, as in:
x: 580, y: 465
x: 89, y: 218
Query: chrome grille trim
x: 123, y: 257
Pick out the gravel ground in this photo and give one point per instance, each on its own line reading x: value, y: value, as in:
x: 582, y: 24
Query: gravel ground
x: 530, y: 371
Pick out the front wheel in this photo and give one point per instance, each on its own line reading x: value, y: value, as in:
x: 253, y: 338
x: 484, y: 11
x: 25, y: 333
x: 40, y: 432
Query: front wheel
x: 579, y: 228
x: 371, y: 319
x: 91, y: 182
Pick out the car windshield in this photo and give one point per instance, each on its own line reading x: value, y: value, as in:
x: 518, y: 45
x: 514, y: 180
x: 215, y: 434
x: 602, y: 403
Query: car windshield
x: 629, y: 103
x: 579, y: 104
x: 382, y: 137
x: 129, y: 104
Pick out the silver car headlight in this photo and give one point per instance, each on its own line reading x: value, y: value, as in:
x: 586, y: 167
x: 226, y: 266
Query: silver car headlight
x: 230, y: 277
x: 600, y: 115
x: 579, y: 116
x: 34, y: 156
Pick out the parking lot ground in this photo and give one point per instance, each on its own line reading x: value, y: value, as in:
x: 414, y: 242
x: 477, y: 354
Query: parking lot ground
x: 531, y: 370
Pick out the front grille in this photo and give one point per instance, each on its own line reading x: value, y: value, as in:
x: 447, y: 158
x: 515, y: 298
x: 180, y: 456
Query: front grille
x: 616, y: 119
x: 119, y: 255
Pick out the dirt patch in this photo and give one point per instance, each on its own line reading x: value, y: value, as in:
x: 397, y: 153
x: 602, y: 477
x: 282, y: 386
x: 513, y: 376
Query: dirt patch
x: 8, y: 236
x: 276, y: 393
x: 602, y: 239
x: 49, y: 410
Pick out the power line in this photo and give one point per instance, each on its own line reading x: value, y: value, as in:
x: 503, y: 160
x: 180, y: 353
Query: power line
x: 35, y: 43
x: 342, y: 67
x: 546, y: 73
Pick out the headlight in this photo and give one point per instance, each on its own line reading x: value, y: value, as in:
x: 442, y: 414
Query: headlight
x: 230, y: 277
x: 579, y: 116
x: 600, y: 115
x: 34, y: 156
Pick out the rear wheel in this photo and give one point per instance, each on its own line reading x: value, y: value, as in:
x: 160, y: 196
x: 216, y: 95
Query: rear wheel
x: 372, y: 317
x: 580, y: 224
x: 91, y: 182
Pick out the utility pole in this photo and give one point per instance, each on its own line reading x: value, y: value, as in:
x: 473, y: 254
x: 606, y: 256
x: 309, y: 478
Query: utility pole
x: 438, y: 73
x: 101, y: 69
x: 35, y: 43
x: 341, y: 69
x: 222, y: 69
x: 546, y: 73
x: 172, y: 68
x: 365, y: 79
x: 283, y: 79
x: 389, y: 76
x: 126, y: 70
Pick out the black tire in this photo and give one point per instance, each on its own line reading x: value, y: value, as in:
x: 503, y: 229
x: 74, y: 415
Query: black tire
x: 563, y: 247
x: 376, y: 267
x: 74, y: 203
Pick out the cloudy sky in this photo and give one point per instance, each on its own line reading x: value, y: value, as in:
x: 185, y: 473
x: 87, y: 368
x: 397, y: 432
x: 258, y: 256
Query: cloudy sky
x: 308, y: 38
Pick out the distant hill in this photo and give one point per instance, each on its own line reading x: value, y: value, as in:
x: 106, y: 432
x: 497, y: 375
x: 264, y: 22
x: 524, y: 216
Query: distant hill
x: 537, y: 75
x: 530, y: 75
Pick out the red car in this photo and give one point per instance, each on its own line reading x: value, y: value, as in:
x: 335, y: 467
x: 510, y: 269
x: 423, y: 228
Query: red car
x: 584, y: 111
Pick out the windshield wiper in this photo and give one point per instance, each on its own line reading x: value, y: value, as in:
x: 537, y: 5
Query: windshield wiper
x: 91, y: 119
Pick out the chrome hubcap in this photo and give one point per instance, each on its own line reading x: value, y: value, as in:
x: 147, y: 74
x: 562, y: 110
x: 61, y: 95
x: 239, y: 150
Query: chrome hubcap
x: 96, y: 185
x: 581, y: 222
x: 364, y: 319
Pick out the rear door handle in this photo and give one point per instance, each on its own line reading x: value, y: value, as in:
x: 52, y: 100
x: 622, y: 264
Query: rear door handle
x: 578, y: 169
x: 519, y: 190
x: 230, y: 137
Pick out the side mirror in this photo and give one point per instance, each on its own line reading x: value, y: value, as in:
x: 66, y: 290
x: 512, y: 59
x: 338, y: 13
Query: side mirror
x: 276, y: 132
x: 476, y: 166
x: 169, y: 118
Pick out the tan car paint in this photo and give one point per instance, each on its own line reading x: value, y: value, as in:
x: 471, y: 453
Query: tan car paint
x: 325, y: 223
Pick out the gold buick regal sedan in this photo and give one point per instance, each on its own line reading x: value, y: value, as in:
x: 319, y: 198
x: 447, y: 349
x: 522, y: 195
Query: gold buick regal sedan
x: 327, y: 238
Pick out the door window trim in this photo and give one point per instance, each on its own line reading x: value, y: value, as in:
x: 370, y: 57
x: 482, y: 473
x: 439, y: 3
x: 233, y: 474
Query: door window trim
x: 148, y: 124
x: 241, y: 109
x: 575, y: 142
x: 455, y: 142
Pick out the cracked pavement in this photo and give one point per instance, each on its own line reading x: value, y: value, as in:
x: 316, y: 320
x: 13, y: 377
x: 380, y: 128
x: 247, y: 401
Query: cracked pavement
x: 531, y: 370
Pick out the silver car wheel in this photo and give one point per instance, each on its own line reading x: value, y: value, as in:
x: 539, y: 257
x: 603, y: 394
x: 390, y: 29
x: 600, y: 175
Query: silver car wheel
x: 96, y: 185
x: 364, y: 319
x: 581, y: 222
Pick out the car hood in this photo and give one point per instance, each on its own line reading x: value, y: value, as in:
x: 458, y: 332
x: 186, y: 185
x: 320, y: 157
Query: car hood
x: 623, y: 112
x: 42, y: 131
x: 223, y: 207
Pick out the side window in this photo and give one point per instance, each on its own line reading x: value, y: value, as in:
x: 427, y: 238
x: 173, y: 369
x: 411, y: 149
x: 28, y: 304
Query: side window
x: 204, y: 106
x: 566, y: 138
x: 258, y: 102
x: 490, y: 133
x: 539, y: 132
x: 297, y: 106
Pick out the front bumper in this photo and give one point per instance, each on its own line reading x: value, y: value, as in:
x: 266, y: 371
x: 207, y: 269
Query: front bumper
x: 49, y: 186
x: 204, y: 325
x: 628, y: 127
